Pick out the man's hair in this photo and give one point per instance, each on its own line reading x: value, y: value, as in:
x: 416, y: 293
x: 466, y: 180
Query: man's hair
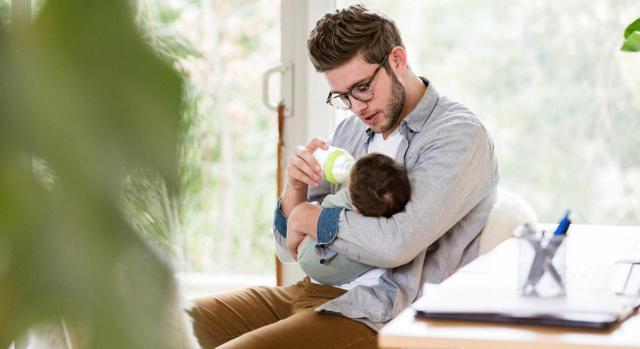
x: 379, y: 186
x: 339, y: 36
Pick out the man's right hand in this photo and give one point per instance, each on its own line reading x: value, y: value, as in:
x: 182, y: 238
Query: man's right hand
x: 302, y: 168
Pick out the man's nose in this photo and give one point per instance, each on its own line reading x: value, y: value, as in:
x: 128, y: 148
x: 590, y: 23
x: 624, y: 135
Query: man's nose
x: 357, y: 106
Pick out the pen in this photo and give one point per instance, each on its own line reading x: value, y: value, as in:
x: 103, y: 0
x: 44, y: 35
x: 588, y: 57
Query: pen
x: 563, y: 226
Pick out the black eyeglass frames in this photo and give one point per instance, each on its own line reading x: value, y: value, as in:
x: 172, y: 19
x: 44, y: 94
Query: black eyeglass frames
x: 362, y: 92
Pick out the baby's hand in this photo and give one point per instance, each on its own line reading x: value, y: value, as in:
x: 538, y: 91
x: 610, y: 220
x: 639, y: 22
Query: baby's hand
x: 303, y: 245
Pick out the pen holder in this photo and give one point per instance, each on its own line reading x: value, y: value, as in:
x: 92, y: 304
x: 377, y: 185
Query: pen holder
x: 541, y: 264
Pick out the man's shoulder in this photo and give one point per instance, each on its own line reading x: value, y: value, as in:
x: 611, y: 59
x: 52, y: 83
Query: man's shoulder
x: 451, y: 128
x: 451, y: 112
x: 451, y: 119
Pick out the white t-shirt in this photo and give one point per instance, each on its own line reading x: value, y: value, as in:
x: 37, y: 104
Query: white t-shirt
x: 388, y: 147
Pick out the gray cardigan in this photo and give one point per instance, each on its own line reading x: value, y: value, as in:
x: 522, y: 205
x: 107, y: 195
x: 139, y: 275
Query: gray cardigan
x: 454, y: 175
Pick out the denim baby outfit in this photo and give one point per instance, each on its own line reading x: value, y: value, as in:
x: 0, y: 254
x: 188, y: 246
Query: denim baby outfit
x: 334, y: 269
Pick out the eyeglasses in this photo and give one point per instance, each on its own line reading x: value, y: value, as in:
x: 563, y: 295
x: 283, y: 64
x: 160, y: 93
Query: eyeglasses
x: 361, y: 92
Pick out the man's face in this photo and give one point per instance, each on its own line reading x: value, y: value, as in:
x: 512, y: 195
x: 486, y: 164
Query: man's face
x: 382, y: 112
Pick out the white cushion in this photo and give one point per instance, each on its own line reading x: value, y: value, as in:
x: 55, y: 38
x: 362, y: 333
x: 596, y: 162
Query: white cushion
x: 509, y: 211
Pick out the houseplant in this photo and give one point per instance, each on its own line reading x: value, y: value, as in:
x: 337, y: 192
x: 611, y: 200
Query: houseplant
x: 83, y: 98
x: 632, y: 37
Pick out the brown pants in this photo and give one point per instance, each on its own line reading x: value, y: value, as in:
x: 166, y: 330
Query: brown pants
x: 278, y: 318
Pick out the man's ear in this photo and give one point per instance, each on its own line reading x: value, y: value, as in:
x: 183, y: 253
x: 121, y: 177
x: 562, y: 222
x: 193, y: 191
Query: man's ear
x: 398, y: 60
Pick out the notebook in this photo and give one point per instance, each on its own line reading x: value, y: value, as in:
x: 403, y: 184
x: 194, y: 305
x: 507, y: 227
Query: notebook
x: 583, y: 308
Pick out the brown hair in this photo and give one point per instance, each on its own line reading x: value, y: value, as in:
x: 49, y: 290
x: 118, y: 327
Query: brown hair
x: 339, y: 36
x: 379, y: 186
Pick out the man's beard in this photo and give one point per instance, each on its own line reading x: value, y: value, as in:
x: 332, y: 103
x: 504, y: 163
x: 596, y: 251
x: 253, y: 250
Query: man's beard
x: 392, y: 114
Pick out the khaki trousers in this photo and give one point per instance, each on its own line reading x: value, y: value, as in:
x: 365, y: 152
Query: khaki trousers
x: 278, y: 318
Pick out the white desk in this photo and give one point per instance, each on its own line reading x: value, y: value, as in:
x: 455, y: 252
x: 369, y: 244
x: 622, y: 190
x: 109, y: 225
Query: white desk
x: 588, y: 244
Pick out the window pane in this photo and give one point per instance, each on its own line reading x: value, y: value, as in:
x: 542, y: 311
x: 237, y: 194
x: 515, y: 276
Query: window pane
x: 549, y: 81
x: 225, y: 208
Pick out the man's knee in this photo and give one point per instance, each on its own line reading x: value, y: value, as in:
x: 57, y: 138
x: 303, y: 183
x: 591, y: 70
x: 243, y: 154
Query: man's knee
x: 209, y: 325
x: 220, y: 318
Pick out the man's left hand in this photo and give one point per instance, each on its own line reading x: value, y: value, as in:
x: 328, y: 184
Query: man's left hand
x: 302, y: 221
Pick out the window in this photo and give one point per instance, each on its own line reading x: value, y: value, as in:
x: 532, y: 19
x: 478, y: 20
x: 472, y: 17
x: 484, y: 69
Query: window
x: 228, y: 167
x: 224, y: 212
x: 219, y: 220
x: 548, y: 80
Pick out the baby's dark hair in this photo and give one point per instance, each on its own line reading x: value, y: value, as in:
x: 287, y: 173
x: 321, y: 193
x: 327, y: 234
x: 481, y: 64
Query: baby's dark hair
x: 379, y: 186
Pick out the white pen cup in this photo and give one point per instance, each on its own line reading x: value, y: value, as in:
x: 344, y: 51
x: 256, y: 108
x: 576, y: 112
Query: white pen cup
x: 542, y: 269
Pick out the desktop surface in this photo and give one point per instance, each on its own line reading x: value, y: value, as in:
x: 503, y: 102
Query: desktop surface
x: 596, y: 247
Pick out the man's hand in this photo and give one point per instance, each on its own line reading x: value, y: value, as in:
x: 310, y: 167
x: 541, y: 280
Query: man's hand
x: 302, y: 221
x: 302, y: 168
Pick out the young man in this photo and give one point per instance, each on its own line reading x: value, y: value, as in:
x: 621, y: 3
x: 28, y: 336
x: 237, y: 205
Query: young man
x: 453, y: 172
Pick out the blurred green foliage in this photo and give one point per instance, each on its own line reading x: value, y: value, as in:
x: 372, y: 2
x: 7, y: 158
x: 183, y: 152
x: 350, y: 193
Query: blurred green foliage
x: 632, y: 37
x: 5, y: 12
x: 220, y: 219
x: 83, y: 99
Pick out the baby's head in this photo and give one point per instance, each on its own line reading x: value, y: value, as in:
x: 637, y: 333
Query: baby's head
x: 378, y: 186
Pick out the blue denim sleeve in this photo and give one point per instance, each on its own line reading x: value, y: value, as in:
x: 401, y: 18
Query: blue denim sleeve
x: 279, y: 220
x: 327, y: 228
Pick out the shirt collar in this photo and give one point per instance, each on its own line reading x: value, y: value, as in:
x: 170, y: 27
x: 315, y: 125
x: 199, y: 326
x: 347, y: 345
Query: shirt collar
x: 420, y: 114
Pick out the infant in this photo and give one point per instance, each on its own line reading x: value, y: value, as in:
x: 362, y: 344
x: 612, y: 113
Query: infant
x: 377, y: 187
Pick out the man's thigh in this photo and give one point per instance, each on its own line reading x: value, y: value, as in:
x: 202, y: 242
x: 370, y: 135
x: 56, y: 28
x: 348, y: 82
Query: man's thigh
x: 220, y: 318
x: 308, y: 330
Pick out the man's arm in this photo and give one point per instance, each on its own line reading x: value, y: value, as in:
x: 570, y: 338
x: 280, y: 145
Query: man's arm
x: 451, y: 178
x: 303, y: 218
x: 302, y: 171
x: 289, y: 232
x: 291, y: 198
x: 453, y: 175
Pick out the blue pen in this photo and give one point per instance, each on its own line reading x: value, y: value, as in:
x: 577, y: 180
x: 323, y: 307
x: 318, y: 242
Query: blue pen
x: 563, y: 227
x: 558, y: 235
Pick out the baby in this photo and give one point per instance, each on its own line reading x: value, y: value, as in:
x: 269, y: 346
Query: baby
x: 377, y: 187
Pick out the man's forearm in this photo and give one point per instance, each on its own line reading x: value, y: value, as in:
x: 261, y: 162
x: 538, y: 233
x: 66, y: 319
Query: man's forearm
x: 292, y: 198
x: 301, y: 222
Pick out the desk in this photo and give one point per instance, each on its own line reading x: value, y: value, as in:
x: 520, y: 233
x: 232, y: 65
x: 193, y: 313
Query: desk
x: 589, y: 244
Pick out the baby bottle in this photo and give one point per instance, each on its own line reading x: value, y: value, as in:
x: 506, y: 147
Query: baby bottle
x: 336, y: 164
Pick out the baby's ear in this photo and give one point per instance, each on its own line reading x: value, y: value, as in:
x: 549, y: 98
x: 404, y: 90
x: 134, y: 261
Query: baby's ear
x: 352, y: 204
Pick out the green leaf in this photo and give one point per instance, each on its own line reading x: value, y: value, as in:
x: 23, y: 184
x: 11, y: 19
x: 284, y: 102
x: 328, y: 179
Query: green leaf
x: 632, y: 42
x: 633, y: 27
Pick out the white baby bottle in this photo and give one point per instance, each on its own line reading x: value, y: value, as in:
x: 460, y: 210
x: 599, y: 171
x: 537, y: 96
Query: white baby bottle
x: 336, y: 164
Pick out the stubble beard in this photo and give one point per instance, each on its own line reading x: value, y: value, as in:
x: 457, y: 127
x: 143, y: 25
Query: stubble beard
x: 392, y: 114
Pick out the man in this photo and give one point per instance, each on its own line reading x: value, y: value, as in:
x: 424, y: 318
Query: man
x: 453, y: 173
